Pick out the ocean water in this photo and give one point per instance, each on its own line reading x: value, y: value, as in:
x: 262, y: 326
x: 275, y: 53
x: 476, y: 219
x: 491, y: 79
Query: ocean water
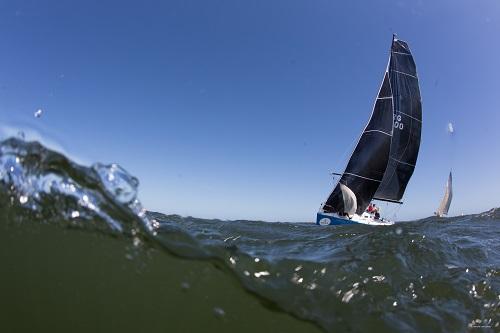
x: 79, y: 253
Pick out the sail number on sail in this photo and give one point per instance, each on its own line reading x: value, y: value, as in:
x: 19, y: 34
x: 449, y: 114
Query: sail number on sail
x: 397, y: 122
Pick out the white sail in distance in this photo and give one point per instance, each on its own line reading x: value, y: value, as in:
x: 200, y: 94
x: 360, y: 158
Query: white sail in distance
x: 446, y: 201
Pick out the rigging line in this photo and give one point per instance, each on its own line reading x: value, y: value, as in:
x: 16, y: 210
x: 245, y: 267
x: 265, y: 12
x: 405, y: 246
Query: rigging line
x: 395, y: 212
x: 342, y: 158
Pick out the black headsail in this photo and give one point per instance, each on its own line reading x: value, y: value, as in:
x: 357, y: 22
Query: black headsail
x: 368, y: 162
x: 407, y: 124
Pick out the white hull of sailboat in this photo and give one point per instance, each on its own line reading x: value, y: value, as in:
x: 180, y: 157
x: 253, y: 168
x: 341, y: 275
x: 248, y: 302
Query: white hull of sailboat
x: 335, y: 219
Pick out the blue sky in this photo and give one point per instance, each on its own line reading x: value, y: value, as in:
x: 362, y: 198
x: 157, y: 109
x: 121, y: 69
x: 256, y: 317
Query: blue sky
x: 240, y: 109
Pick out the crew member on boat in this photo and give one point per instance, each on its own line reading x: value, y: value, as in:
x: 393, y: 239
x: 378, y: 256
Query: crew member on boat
x: 373, y: 209
x: 370, y: 208
x: 376, y: 211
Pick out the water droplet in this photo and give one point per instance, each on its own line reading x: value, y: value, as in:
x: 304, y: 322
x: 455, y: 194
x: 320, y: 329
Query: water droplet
x: 312, y: 286
x: 256, y: 259
x: 378, y: 278
x: 398, y: 231
x: 347, y: 296
x: 75, y: 214
x: 263, y: 273
x: 118, y: 182
x: 219, y: 312
x: 38, y: 113
x: 395, y: 303
x: 23, y: 199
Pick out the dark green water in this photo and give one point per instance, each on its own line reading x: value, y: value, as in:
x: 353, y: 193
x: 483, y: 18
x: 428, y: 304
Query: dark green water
x: 78, y: 252
x: 59, y: 280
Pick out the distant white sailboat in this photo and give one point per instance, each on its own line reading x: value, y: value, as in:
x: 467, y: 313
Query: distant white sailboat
x: 446, y: 201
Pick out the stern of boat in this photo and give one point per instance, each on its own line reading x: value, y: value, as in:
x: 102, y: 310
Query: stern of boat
x: 331, y: 219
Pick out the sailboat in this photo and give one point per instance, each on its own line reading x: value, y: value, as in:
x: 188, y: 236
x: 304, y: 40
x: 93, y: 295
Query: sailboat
x: 446, y: 201
x: 385, y: 155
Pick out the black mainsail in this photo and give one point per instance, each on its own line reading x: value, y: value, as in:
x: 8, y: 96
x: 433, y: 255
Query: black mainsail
x: 387, y: 138
x: 407, y: 123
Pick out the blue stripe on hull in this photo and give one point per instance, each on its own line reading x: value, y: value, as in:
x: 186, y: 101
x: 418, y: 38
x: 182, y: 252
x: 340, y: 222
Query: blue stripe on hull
x: 322, y: 219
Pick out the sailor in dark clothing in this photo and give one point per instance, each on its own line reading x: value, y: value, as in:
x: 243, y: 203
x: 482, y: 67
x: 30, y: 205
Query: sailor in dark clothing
x: 376, y: 212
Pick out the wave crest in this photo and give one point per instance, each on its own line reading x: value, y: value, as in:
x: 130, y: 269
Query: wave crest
x: 46, y: 185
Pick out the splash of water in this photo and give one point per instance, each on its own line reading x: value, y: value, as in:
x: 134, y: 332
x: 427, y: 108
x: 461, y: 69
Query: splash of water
x: 50, y: 186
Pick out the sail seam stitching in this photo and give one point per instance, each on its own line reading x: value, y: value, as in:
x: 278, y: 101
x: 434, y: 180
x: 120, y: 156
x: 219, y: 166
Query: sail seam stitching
x: 399, y: 161
x: 379, y: 132
x: 409, y: 116
x: 401, y: 53
x: 413, y: 76
x: 355, y: 175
